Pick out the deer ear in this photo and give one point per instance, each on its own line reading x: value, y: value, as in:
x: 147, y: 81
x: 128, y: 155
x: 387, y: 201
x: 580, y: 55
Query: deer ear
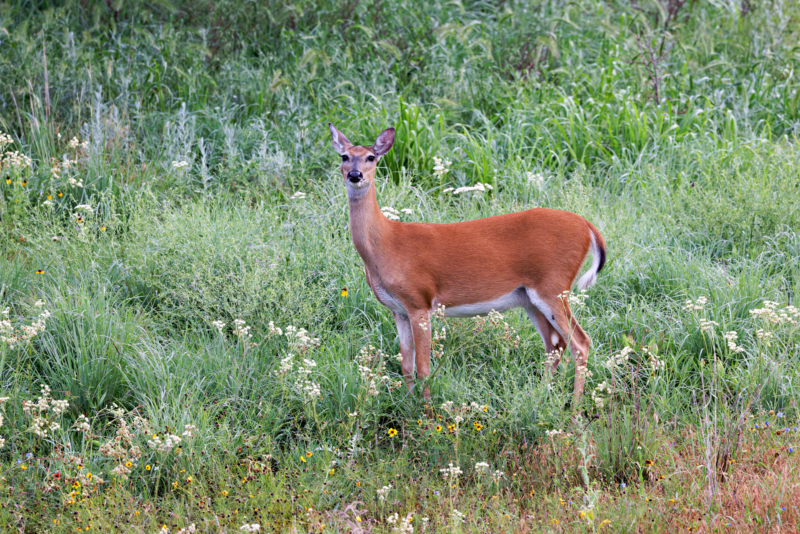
x: 384, y: 142
x: 340, y: 142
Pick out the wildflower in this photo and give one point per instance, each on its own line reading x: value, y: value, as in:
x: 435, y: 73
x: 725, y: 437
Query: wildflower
x: 485, y: 408
x: 219, y: 325
x: 383, y: 492
x: 482, y: 467
x: 696, y: 305
x: 392, y: 432
x: 128, y: 464
x: 147, y: 467
x: 649, y: 462
x: 40, y: 271
x: 478, y: 426
x: 480, y: 187
x: 707, y: 326
x: 451, y: 471
x: 299, y: 195
x: 344, y: 291
x: 240, y: 330
x: 456, y: 517
x: 441, y: 167
x: 255, y: 527
x: 438, y: 428
x: 180, y: 164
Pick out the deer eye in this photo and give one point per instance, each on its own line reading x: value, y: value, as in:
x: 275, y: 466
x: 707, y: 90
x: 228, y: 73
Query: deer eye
x: 370, y: 158
x: 344, y: 157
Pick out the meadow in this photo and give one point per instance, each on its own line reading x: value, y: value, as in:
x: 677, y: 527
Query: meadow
x: 188, y: 342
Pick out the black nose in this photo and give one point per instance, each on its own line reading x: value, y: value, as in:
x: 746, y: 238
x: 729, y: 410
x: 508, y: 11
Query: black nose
x: 354, y: 176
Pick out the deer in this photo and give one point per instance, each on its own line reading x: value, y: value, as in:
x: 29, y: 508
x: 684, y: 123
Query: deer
x: 527, y: 259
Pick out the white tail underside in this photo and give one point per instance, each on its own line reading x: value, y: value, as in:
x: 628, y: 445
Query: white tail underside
x: 591, y: 275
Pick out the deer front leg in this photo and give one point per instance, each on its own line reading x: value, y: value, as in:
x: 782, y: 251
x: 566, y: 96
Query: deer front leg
x: 421, y: 326
x: 406, y: 337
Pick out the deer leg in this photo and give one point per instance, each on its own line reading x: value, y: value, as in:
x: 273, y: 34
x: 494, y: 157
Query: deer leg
x: 579, y: 345
x: 556, y: 311
x: 406, y: 337
x: 421, y: 326
x: 554, y: 344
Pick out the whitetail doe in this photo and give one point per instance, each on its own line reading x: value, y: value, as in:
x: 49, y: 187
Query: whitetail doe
x: 518, y: 260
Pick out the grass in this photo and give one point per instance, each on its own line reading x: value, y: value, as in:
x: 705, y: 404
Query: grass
x: 131, y: 252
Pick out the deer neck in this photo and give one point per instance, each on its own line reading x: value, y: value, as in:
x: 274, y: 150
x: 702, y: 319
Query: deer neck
x: 367, y: 224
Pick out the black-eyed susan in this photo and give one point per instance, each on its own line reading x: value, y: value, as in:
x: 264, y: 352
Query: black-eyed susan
x: 147, y: 467
x: 60, y: 194
x: 344, y: 291
x: 24, y: 183
x: 392, y: 432
x: 8, y: 181
x: 485, y: 408
x: 419, y: 422
x: 103, y: 228
x: 438, y: 428
x: 128, y: 464
x: 224, y: 493
x: 40, y: 271
x: 23, y: 467
x: 309, y: 454
x: 649, y: 462
x: 358, y: 483
x: 49, y: 197
x: 478, y: 426
x: 451, y: 428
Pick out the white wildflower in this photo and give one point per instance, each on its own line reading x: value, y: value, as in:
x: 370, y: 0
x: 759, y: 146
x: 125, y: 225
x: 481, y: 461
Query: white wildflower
x: 456, y: 517
x: 383, y: 492
x: 441, y: 167
x: 219, y: 325
x: 451, y: 471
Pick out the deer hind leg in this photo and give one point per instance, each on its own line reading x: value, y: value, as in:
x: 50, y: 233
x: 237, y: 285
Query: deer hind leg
x: 554, y: 344
x: 557, y: 313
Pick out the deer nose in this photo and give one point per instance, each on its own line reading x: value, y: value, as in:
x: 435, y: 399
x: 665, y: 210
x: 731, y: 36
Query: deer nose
x: 354, y: 176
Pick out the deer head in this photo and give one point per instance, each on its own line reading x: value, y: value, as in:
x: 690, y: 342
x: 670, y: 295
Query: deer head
x: 359, y: 162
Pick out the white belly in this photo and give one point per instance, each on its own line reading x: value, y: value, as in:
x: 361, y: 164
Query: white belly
x: 516, y: 299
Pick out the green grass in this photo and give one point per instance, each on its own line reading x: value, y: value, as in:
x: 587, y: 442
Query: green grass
x: 554, y: 104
